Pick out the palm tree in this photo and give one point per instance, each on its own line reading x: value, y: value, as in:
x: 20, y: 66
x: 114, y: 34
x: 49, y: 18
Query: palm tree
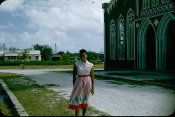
x: 24, y: 55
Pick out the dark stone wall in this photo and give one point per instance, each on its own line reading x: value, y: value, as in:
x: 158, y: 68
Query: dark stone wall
x: 121, y: 7
x: 156, y: 14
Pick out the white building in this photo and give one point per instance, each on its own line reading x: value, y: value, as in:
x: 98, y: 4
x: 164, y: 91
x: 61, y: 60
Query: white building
x: 34, y: 55
x: 12, y: 55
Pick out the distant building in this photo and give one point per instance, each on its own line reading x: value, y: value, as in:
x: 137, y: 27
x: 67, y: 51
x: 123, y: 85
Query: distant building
x: 139, y: 34
x: 56, y: 57
x: 34, y: 55
x: 12, y: 55
x: 1, y: 55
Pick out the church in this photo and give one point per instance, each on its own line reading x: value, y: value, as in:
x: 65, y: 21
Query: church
x: 139, y: 35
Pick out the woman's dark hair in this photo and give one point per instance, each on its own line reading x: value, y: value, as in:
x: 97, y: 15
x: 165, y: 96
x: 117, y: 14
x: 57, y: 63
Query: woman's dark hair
x: 83, y: 51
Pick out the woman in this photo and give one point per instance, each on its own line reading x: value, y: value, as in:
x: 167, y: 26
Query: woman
x: 83, y: 85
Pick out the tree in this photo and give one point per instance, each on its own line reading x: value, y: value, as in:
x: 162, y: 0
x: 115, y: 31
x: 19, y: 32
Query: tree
x: 24, y: 55
x: 93, y: 55
x: 60, y: 52
x: 46, y: 51
x: 65, y: 57
x: 67, y: 52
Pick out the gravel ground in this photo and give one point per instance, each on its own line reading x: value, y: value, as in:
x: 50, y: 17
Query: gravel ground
x: 116, y: 100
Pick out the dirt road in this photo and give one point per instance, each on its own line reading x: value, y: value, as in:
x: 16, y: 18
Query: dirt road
x: 115, y: 99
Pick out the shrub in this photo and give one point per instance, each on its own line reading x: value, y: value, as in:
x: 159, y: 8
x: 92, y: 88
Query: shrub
x: 61, y: 62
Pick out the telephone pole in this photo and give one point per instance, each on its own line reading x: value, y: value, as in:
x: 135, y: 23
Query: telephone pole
x: 55, y: 48
x: 4, y: 52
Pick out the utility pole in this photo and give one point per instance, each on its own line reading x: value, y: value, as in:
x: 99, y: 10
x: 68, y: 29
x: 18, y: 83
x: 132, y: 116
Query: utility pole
x: 55, y: 48
x: 4, y: 53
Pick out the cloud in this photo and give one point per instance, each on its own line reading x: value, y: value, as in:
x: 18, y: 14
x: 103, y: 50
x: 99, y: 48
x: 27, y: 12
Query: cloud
x: 9, y: 25
x: 11, y: 5
x: 56, y: 18
x: 3, y: 27
x: 7, y: 38
x: 71, y: 24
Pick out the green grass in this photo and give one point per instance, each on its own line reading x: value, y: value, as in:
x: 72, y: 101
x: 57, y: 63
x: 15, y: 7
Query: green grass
x: 120, y: 81
x: 6, y: 105
x: 39, y: 67
x: 125, y: 74
x: 98, y: 66
x: 51, y: 85
x: 131, y: 83
x: 117, y: 81
x: 69, y: 72
x: 38, y: 100
x: 6, y: 109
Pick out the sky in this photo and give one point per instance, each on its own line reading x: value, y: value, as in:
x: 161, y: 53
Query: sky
x: 71, y: 24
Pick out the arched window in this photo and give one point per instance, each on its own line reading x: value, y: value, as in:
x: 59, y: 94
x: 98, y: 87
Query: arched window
x: 156, y: 2
x: 148, y: 3
x: 121, y: 39
x: 130, y: 35
x: 143, y: 4
x: 153, y: 3
x: 113, y: 42
x: 137, y: 7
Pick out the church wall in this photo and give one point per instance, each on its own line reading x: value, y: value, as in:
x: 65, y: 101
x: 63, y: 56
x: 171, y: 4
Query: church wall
x: 120, y: 8
x: 147, y: 16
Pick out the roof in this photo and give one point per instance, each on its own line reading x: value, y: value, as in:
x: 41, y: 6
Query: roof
x: 34, y: 52
x: 56, y: 55
x: 12, y: 53
x: 17, y: 52
x: 109, y: 6
x: 101, y: 53
x: 1, y: 52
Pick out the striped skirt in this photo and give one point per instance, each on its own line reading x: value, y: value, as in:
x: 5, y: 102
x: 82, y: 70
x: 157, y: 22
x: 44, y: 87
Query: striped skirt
x: 80, y: 93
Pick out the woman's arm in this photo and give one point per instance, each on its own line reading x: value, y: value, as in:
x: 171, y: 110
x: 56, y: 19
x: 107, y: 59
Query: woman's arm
x: 74, y: 73
x: 92, y: 79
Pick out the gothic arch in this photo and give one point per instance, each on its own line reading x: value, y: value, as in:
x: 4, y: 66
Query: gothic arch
x: 161, y: 32
x: 130, y: 35
x: 141, y: 43
x: 121, y: 38
x: 113, y: 42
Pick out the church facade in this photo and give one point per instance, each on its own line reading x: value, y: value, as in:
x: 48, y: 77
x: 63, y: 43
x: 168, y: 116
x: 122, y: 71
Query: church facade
x: 139, y: 34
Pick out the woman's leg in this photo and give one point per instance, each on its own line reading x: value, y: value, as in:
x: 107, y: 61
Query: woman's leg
x: 84, y: 111
x: 77, y: 112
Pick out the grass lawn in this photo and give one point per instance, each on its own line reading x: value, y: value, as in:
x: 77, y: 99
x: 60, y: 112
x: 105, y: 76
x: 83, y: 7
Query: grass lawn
x: 131, y: 83
x: 117, y: 81
x: 98, y: 66
x: 39, y: 67
x: 5, y: 105
x: 38, y: 100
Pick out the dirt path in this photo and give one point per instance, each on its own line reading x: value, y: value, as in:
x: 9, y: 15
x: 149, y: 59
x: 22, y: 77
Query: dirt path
x: 117, y: 100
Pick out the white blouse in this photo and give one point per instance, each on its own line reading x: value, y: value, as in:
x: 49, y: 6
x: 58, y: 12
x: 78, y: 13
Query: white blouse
x: 83, y: 68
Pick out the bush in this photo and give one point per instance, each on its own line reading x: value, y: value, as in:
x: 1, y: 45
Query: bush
x: 10, y: 63
x: 61, y: 62
x: 96, y: 61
